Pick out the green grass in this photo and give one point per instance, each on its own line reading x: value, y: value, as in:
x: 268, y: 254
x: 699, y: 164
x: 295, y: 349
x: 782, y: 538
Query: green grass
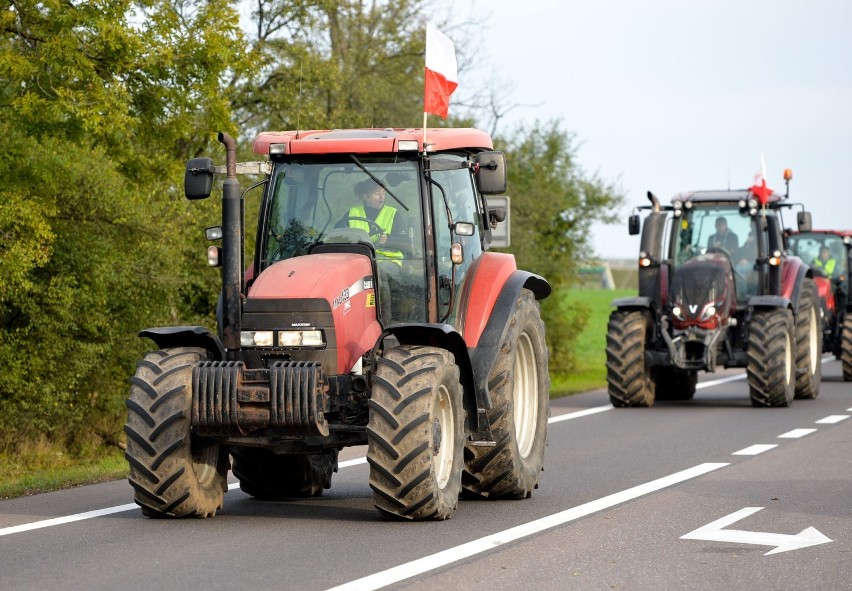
x: 66, y: 474
x: 590, y: 348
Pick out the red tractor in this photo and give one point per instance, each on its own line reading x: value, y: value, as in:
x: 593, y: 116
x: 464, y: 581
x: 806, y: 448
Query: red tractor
x: 716, y: 289
x: 401, y: 333
x: 829, y: 252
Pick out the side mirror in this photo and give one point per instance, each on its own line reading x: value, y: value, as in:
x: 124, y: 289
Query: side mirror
x: 491, y: 174
x: 633, y: 224
x: 804, y: 220
x: 198, y: 178
x: 497, y: 210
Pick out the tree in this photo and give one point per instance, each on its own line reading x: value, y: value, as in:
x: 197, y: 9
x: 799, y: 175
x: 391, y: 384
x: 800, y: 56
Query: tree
x: 554, y: 204
x: 101, y: 102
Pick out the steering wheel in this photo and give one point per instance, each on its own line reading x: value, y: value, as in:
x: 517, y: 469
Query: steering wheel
x: 372, y: 225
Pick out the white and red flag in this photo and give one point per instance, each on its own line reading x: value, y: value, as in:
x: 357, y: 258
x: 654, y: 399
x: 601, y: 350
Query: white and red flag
x: 441, y: 73
x: 759, y: 189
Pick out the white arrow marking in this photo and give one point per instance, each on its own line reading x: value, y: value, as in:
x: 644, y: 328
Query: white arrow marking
x: 716, y: 532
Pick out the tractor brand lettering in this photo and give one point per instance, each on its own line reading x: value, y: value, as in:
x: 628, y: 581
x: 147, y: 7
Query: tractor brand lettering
x: 343, y: 297
x: 693, y: 308
x: 300, y: 324
x: 368, y: 283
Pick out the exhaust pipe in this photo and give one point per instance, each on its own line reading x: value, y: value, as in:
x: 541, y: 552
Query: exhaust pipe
x: 232, y: 249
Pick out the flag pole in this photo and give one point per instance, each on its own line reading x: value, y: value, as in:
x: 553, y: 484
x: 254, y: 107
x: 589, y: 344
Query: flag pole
x: 424, y: 131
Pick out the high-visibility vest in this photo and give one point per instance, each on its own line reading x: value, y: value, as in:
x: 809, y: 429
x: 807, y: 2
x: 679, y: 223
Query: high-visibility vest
x: 827, y: 266
x: 384, y: 220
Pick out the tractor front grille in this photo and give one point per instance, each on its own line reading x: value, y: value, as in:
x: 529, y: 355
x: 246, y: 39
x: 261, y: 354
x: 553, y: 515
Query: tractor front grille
x: 289, y: 398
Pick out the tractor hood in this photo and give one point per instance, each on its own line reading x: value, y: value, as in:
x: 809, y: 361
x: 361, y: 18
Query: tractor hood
x: 702, y: 292
x: 331, y: 292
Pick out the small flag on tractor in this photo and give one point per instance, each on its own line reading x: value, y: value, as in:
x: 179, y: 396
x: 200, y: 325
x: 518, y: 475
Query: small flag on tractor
x: 760, y: 189
x: 441, y: 77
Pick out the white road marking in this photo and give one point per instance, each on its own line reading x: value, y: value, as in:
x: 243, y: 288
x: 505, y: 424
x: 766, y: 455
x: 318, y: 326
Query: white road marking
x: 580, y: 413
x: 711, y: 383
x: 753, y: 450
x: 451, y: 555
x: 831, y: 419
x: 796, y: 433
x: 15, y: 529
x: 716, y: 532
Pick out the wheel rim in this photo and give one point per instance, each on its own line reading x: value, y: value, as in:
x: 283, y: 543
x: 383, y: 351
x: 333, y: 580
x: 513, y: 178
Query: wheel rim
x: 443, y: 433
x: 813, y: 345
x: 525, y: 395
x: 788, y: 360
x: 204, y: 464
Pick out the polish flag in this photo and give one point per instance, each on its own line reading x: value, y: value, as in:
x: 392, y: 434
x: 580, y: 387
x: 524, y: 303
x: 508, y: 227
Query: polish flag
x: 441, y: 74
x: 760, y: 189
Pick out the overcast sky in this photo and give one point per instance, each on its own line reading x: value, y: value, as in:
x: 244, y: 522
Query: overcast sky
x: 673, y: 95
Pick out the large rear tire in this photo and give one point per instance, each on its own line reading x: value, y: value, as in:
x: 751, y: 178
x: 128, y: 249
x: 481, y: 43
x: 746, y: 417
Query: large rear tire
x: 520, y: 393
x: 675, y: 384
x: 415, y: 434
x: 628, y: 380
x: 770, y: 370
x: 808, y: 342
x: 267, y: 475
x: 846, y: 347
x: 173, y: 474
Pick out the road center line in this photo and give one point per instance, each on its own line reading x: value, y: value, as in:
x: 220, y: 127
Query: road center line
x: 753, y: 450
x: 796, y: 433
x: 451, y: 555
x: 832, y: 419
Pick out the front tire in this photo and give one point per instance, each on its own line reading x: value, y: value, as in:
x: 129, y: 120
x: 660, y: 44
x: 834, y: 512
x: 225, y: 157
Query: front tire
x: 267, y: 475
x: 846, y: 347
x: 628, y: 379
x: 173, y: 474
x: 520, y: 393
x: 770, y: 370
x: 415, y: 434
x: 808, y: 342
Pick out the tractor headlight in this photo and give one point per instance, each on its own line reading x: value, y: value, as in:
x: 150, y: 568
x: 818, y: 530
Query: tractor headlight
x: 709, y: 312
x: 300, y: 338
x: 256, y: 338
x: 677, y: 311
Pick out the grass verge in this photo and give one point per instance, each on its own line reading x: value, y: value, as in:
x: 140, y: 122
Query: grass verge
x: 66, y: 474
x: 590, y: 347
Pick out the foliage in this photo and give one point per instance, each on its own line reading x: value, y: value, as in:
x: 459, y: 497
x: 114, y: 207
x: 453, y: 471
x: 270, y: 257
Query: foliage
x: 97, y: 110
x: 553, y: 205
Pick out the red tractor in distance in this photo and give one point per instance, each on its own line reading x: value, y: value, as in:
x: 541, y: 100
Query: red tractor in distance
x: 829, y: 252
x: 716, y: 289
x: 400, y: 332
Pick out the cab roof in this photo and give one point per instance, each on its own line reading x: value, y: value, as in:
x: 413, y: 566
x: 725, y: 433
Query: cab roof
x: 733, y: 196
x: 372, y: 140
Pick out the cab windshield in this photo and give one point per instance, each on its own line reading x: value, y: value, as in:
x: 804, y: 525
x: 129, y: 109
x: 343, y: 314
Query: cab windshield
x: 726, y: 230
x: 334, y: 201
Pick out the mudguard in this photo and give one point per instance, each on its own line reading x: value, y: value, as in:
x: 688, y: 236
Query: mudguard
x: 632, y: 303
x: 792, y: 277
x: 769, y: 301
x: 166, y: 337
x: 488, y: 278
x: 484, y: 353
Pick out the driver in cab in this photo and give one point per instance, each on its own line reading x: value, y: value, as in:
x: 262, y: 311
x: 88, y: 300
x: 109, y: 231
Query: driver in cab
x: 723, y: 238
x: 373, y: 209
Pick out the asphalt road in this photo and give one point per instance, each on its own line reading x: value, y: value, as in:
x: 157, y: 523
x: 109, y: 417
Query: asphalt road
x: 705, y: 494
